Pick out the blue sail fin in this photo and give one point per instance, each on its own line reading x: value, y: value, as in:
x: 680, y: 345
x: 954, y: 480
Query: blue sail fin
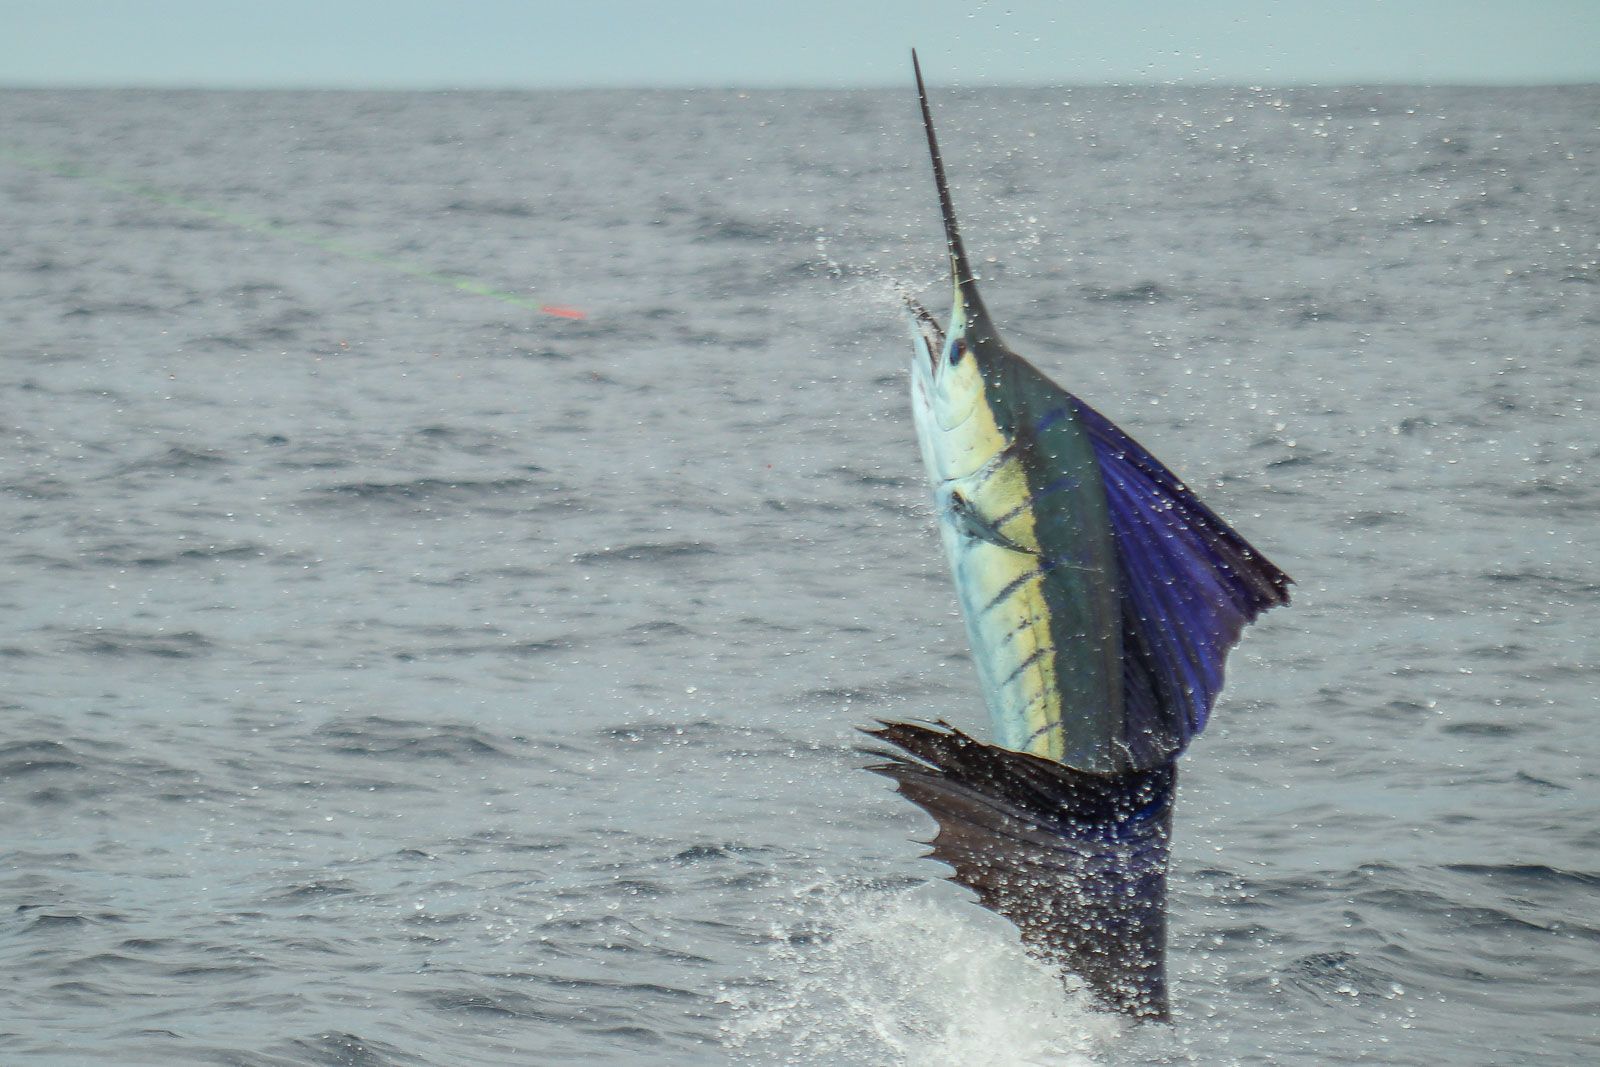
x: 1185, y: 583
x: 1189, y: 586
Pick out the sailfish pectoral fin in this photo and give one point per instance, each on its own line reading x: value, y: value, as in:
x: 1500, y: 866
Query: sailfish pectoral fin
x: 1077, y: 861
x: 974, y: 525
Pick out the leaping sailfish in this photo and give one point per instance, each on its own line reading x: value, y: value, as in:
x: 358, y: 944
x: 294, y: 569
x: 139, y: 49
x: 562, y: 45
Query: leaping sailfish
x: 1101, y: 598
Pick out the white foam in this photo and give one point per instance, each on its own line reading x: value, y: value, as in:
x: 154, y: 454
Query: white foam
x: 909, y: 977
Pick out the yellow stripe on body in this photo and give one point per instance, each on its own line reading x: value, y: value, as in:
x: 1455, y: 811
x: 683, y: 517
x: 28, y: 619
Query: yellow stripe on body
x: 1002, y: 589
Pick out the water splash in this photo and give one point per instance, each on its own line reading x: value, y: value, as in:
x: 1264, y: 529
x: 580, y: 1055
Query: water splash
x: 868, y: 976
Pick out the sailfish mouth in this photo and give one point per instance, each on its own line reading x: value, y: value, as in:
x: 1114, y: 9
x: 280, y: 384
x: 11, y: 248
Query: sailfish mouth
x: 928, y: 327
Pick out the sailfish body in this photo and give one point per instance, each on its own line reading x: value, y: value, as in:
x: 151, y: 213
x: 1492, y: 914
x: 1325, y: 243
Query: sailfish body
x: 1101, y: 598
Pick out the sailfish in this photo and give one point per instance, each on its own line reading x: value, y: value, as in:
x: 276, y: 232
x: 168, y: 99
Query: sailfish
x: 1101, y: 598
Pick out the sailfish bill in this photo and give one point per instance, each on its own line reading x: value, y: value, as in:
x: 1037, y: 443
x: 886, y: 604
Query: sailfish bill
x: 1101, y: 598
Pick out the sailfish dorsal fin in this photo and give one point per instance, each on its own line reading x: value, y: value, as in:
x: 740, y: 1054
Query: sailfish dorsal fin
x: 1187, y: 582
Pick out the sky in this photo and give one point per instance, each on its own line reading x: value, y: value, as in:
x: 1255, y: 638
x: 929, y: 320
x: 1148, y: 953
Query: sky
x: 434, y: 44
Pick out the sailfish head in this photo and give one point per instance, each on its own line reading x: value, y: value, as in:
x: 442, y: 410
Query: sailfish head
x: 954, y: 363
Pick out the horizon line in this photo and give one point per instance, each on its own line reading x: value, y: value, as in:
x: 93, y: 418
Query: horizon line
x: 731, y: 87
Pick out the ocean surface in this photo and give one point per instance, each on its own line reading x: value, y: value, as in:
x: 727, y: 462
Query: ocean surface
x: 397, y: 674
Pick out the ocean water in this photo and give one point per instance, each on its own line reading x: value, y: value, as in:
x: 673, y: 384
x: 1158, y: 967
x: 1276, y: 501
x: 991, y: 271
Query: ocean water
x: 398, y: 675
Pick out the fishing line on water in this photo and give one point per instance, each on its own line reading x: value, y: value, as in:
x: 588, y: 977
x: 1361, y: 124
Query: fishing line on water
x: 288, y: 233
